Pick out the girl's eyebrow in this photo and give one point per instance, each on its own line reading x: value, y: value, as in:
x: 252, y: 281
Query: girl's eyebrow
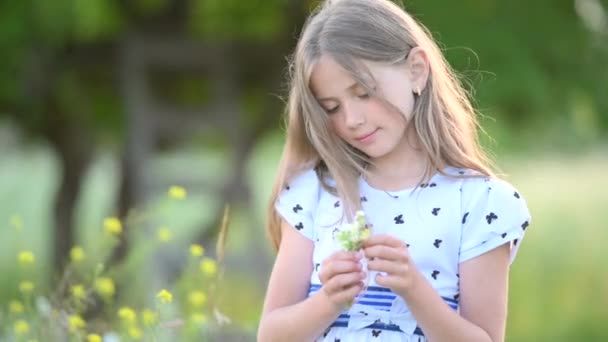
x: 351, y: 87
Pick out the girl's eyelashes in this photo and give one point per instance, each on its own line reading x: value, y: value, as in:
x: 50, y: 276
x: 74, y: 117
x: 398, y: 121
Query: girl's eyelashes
x: 332, y: 110
x: 363, y: 96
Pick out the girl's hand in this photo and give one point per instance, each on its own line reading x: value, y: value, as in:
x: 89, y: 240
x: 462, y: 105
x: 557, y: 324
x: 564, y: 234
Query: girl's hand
x: 388, y: 254
x: 341, y: 276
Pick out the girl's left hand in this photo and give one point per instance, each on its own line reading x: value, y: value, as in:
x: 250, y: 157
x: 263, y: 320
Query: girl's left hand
x: 386, y: 253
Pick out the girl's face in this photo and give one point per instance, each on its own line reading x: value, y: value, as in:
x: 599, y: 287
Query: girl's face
x: 366, y: 122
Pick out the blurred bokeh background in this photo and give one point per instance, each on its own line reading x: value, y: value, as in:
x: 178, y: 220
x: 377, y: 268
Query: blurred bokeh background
x: 105, y: 104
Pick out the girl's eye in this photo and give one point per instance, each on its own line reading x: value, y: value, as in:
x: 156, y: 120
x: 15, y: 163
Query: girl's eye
x: 332, y: 110
x: 363, y: 96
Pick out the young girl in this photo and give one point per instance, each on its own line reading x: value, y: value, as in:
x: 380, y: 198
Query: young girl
x: 378, y: 122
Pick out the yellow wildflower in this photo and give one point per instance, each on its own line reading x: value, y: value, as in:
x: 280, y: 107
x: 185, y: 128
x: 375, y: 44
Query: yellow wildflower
x: 15, y: 307
x: 164, y: 234
x: 208, y: 266
x: 196, y: 250
x: 197, y: 299
x: 26, y: 258
x: 16, y: 221
x: 77, y: 254
x: 198, y: 318
x: 112, y: 225
x: 105, y: 287
x: 165, y: 296
x: 93, y: 338
x: 26, y: 286
x: 149, y: 317
x: 135, y: 333
x: 177, y: 192
x: 127, y: 314
x: 76, y: 323
x: 21, y: 327
x: 78, y: 292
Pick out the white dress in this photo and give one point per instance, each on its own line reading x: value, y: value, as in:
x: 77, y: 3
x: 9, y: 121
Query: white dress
x: 444, y: 222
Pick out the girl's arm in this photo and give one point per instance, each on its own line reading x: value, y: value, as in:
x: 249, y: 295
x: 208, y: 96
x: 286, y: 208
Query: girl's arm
x: 288, y: 315
x: 483, y: 301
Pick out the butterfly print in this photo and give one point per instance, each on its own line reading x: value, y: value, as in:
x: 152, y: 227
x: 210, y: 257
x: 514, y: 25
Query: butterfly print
x: 491, y: 217
x: 296, y: 208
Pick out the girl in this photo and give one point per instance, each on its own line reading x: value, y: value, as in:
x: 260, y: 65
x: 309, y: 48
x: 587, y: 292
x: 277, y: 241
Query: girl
x: 377, y: 122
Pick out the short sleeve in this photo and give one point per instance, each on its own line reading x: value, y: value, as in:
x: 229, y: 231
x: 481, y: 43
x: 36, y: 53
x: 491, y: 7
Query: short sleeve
x: 298, y: 201
x: 493, y: 213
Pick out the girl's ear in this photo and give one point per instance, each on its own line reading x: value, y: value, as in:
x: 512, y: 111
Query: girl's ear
x: 418, y: 68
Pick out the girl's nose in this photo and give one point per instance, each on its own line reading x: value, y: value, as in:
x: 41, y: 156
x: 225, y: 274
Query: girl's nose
x: 354, y: 117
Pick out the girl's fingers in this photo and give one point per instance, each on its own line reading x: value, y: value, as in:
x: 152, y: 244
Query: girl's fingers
x: 350, y: 292
x: 386, y: 252
x: 387, y: 266
x: 341, y: 281
x: 332, y: 268
x: 384, y: 239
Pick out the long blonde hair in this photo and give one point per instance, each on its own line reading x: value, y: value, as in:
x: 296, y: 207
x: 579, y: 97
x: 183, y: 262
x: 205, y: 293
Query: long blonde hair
x: 443, y: 119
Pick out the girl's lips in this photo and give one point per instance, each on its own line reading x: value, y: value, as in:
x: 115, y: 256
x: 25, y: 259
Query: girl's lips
x: 367, y: 138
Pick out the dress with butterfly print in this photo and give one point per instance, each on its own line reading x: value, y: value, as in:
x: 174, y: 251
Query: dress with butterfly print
x: 444, y: 222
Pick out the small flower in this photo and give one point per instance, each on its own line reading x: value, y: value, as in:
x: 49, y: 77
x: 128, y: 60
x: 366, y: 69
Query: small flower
x: 149, y: 317
x: 135, y: 333
x: 76, y: 323
x: 196, y: 250
x: 197, y: 299
x: 26, y: 258
x: 164, y: 296
x: 164, y: 234
x: 112, y: 225
x: 208, y: 266
x: 105, y: 287
x: 177, y: 192
x: 78, y: 292
x: 77, y: 254
x: 16, y: 222
x: 93, y: 338
x: 127, y: 314
x: 26, y: 286
x: 352, y: 235
x: 198, y: 318
x: 15, y: 307
x: 21, y: 327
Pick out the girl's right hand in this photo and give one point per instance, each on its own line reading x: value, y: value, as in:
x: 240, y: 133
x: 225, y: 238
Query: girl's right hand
x: 342, y: 277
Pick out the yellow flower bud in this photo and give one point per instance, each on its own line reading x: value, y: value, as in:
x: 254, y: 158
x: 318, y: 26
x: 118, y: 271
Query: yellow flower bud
x: 78, y: 292
x: 77, y: 254
x: 164, y: 234
x: 208, y: 266
x: 164, y: 296
x: 112, y: 225
x: 93, y: 338
x: 127, y: 314
x: 105, y: 287
x: 197, y: 299
x: 26, y: 258
x: 196, y: 250
x: 177, y: 192
x: 76, y: 323
x: 21, y: 327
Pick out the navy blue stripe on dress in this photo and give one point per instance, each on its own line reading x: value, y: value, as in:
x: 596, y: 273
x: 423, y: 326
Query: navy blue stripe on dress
x: 380, y: 298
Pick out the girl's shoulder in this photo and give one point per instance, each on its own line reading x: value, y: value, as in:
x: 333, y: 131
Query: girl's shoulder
x: 298, y: 200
